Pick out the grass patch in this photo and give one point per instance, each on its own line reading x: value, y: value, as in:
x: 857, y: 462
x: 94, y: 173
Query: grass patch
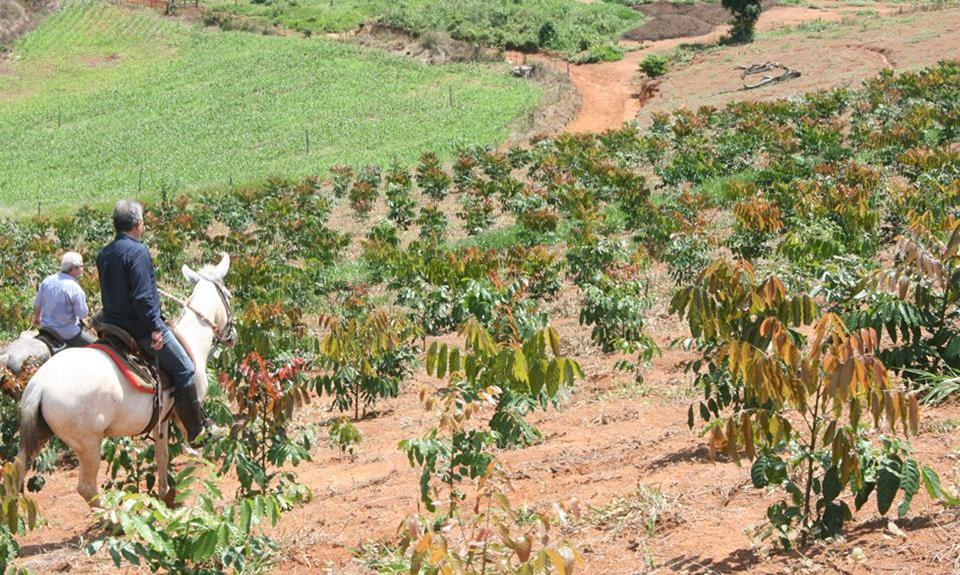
x: 945, y: 426
x: 568, y: 26
x: 631, y: 390
x: 381, y: 558
x: 713, y: 188
x: 308, y: 16
x: 496, y: 239
x: 98, y: 92
x: 647, y: 509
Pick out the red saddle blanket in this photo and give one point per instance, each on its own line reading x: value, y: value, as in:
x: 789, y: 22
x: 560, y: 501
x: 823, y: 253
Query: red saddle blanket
x: 135, y: 382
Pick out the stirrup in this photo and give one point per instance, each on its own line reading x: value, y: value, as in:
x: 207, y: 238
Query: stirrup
x: 209, y: 431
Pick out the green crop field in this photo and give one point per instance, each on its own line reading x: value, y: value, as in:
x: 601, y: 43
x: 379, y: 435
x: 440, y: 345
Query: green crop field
x: 100, y: 101
x: 568, y: 26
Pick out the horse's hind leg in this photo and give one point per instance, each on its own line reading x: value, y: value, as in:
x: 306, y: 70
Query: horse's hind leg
x: 88, y: 453
x: 24, y: 459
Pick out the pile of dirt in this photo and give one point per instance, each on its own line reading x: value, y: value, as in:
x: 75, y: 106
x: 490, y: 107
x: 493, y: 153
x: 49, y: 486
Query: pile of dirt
x: 17, y: 17
x: 668, y: 20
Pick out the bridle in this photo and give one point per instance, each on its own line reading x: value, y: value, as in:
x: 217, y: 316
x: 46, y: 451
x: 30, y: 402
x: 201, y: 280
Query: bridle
x: 225, y: 335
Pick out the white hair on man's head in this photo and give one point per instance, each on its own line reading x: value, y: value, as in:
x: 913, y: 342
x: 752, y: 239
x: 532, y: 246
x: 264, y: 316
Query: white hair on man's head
x: 126, y: 215
x: 69, y: 261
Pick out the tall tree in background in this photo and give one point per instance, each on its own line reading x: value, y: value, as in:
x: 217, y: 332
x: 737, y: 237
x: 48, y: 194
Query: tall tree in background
x: 745, y: 15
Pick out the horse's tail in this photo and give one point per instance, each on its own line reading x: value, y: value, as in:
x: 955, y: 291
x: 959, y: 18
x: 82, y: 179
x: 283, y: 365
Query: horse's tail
x: 34, y: 431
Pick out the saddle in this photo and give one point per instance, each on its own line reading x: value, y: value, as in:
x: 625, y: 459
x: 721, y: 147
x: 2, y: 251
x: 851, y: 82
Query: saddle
x: 53, y: 341
x: 138, y: 368
x: 125, y: 347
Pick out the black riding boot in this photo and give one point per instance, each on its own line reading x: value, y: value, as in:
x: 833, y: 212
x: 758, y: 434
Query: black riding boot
x: 190, y: 411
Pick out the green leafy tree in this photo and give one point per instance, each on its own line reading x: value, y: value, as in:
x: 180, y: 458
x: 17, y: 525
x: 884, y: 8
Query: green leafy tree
x: 834, y: 384
x: 364, y: 359
x: 745, y: 16
x: 654, y: 65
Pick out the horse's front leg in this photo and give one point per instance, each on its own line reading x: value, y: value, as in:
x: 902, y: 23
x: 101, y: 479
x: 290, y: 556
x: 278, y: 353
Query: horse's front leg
x: 163, y: 462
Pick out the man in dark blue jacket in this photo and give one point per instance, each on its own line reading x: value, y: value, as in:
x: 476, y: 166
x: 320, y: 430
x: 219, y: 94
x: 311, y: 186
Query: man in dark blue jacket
x: 128, y: 288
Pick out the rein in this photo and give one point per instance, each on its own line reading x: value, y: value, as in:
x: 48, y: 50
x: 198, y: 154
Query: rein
x: 222, y: 335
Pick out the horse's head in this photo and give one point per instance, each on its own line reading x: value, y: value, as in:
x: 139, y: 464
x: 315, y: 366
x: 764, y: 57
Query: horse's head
x: 210, y: 299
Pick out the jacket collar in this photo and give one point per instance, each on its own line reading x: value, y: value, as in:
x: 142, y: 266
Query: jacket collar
x: 125, y: 235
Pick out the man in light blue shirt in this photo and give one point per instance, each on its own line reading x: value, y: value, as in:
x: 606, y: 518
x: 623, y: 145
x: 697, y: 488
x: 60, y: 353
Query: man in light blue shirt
x: 61, y: 304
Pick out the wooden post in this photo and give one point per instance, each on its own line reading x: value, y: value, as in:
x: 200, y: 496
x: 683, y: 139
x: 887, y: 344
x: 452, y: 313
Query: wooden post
x: 450, y: 95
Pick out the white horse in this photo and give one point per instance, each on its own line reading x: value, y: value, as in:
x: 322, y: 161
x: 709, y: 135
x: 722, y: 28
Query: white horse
x: 80, y: 396
x: 23, y: 350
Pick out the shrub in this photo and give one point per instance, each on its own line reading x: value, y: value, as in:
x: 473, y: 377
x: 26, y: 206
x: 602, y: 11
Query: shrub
x: 342, y: 177
x: 204, y: 538
x: 513, y: 376
x: 364, y: 192
x: 686, y: 256
x: 525, y: 543
x: 431, y: 178
x: 344, y: 435
x: 599, y: 53
x: 266, y: 396
x: 401, y: 208
x: 654, y: 65
x: 19, y: 516
x: 477, y: 211
x: 547, y: 35
x: 615, y: 311
x: 433, y: 224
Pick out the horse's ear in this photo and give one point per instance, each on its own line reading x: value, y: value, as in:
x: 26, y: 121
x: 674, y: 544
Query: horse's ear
x: 192, y: 276
x: 223, y: 267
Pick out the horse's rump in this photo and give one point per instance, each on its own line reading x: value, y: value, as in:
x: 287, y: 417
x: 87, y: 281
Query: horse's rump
x: 23, y: 350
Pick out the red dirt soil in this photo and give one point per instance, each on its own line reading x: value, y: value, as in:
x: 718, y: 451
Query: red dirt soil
x: 609, y: 437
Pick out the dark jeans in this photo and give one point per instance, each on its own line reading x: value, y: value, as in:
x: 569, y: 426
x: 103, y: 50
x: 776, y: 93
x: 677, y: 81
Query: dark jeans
x: 173, y: 359
x: 82, y: 339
